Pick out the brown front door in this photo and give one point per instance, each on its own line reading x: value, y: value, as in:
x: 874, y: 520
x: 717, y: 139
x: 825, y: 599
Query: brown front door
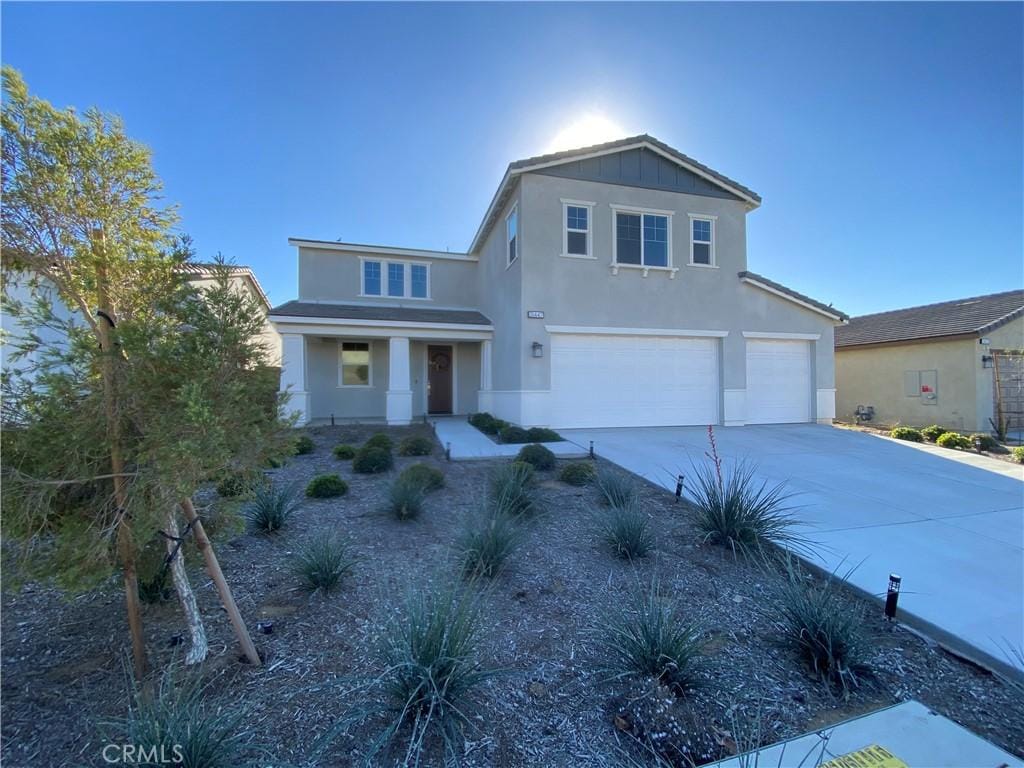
x: 439, y: 379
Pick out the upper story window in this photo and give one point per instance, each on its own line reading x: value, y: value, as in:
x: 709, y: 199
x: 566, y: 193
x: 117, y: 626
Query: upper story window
x: 396, y: 279
x: 512, y: 234
x: 642, y: 238
x: 576, y: 221
x: 702, y: 240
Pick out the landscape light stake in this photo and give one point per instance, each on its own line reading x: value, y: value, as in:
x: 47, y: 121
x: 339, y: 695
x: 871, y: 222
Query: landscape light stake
x: 892, y: 596
x: 679, y: 487
x: 332, y: 419
x: 448, y: 451
x: 591, y: 449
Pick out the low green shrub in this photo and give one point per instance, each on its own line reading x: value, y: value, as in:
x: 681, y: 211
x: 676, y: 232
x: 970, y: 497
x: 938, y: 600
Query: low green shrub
x: 1018, y: 454
x: 932, y: 433
x: 823, y: 628
x: 617, y: 488
x: 323, y: 562
x: 344, y: 452
x: 577, y: 473
x: 427, y: 477
x: 512, y: 489
x: 271, y: 506
x: 907, y: 433
x: 239, y: 482
x: 326, y: 487
x: 988, y: 443
x: 416, y: 445
x: 380, y: 440
x: 955, y: 441
x: 487, y: 423
x: 371, y: 459
x: 513, y: 434
x: 628, y: 531
x: 488, y: 537
x: 651, y: 640
x: 542, y: 435
x: 304, y: 445
x: 537, y: 455
x: 405, y: 498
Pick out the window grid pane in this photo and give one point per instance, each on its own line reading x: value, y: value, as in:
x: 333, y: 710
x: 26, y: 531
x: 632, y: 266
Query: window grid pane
x: 627, y: 232
x: 656, y: 241
x: 396, y: 279
x: 576, y: 243
x: 419, y: 281
x: 701, y: 231
x: 576, y: 218
x: 371, y: 278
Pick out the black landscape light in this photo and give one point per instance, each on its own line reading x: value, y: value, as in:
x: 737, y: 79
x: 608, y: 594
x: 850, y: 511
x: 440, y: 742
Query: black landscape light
x: 978, y: 443
x: 448, y: 451
x: 892, y: 596
x: 592, y: 449
x: 679, y: 487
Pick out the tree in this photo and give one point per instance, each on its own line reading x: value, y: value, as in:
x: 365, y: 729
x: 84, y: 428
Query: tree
x: 145, y: 387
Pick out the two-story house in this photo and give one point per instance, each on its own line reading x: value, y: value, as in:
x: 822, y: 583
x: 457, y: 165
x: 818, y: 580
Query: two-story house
x: 605, y: 286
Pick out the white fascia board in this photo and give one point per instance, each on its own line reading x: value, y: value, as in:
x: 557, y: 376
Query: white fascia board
x: 793, y: 299
x: 380, y: 250
x: 591, y: 330
x: 288, y: 320
x: 774, y: 335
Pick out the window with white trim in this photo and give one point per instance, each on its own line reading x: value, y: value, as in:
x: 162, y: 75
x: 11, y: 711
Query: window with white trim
x: 642, y: 239
x: 512, y: 234
x: 396, y: 279
x: 576, y: 222
x: 354, y: 364
x: 702, y: 240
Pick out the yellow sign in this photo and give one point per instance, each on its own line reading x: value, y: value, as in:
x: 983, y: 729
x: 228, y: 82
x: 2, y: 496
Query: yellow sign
x: 873, y: 756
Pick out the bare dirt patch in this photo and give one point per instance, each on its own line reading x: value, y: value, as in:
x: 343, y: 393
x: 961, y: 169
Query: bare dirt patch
x: 64, y: 659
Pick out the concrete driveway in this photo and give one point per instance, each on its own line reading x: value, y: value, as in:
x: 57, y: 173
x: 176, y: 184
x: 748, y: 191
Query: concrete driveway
x: 952, y: 530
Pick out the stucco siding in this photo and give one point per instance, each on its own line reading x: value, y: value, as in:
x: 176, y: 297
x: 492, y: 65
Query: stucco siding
x: 327, y: 397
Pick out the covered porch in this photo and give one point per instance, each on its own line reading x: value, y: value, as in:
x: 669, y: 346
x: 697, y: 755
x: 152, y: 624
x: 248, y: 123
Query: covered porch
x: 388, y: 364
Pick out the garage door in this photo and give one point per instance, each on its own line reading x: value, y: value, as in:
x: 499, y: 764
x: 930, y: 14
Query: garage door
x: 633, y: 381
x: 778, y: 381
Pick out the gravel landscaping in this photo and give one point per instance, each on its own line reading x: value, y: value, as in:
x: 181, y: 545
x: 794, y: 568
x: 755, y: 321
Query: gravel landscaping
x: 544, y: 619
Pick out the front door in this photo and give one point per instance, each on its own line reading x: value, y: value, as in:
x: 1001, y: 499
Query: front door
x: 439, y: 379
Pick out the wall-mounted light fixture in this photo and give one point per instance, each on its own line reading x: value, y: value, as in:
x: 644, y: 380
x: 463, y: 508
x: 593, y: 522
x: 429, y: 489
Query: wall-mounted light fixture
x: 987, y: 361
x: 984, y: 342
x: 538, y: 349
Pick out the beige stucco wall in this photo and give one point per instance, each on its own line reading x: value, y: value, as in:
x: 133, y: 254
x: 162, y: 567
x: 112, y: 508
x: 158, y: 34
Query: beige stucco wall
x: 875, y: 376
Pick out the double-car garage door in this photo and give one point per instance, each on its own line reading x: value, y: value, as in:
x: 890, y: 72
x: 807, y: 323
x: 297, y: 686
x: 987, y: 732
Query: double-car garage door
x: 648, y: 380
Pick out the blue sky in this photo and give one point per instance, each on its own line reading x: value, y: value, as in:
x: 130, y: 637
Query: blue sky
x: 884, y: 139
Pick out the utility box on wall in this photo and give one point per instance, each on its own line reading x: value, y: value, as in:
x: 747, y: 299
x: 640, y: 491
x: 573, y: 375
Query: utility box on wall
x: 922, y: 384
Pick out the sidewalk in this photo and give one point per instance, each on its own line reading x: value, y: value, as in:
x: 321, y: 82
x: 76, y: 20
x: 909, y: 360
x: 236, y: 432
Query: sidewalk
x: 468, y: 442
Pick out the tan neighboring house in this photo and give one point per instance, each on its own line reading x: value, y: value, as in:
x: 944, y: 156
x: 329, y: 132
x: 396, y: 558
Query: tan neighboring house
x: 959, y: 364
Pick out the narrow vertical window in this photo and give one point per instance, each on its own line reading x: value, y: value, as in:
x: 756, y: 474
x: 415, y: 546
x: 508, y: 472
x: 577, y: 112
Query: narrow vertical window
x: 577, y: 230
x: 702, y: 249
x: 418, y: 280
x: 655, y: 241
x: 396, y: 279
x: 627, y: 238
x: 371, y: 278
x: 512, y: 233
x: 355, y: 364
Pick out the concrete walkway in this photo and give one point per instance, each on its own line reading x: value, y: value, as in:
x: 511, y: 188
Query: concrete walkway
x: 910, y: 732
x: 954, y: 531
x: 468, y: 442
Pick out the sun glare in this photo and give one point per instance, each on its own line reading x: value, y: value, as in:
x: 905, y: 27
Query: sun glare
x: 589, y: 129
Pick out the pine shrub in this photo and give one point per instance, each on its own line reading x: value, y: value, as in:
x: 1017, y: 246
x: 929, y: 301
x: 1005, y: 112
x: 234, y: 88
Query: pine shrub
x: 577, y: 473
x: 427, y: 477
x: 344, y: 452
x: 371, y: 459
x: 380, y: 440
x: 537, y: 455
x: 304, y: 445
x: 326, y: 487
x: 542, y: 435
x: 513, y: 434
x: 416, y: 445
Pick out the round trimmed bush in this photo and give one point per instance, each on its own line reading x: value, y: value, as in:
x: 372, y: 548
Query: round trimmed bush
x: 988, y: 443
x: 537, y: 456
x: 326, y: 487
x: 907, y: 433
x: 344, y: 452
x: 304, y: 445
x: 429, y: 478
x: 483, y: 421
x: 933, y: 432
x: 955, y: 441
x: 542, y: 435
x: 1018, y: 454
x: 577, y: 473
x: 379, y: 440
x: 371, y: 459
x: 513, y: 434
x: 416, y: 445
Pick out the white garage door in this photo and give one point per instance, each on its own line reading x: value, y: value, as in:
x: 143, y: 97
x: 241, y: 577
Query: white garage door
x: 633, y: 381
x: 778, y: 381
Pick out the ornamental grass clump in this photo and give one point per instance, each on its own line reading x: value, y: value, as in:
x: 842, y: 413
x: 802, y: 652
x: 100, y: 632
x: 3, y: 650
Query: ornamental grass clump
x: 617, y: 488
x: 577, y: 473
x: 735, y: 510
x: 405, y: 498
x: 488, y: 537
x: 627, y: 530
x: 427, y: 477
x: 513, y: 489
x: 271, y: 506
x: 651, y: 639
x: 823, y: 627
x: 323, y: 562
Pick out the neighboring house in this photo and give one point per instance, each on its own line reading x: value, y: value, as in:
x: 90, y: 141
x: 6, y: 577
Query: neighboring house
x: 605, y: 286
x: 953, y: 364
x: 200, y: 274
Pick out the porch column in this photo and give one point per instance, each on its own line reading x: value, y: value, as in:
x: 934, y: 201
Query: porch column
x: 485, y: 366
x: 293, y: 376
x: 399, y: 394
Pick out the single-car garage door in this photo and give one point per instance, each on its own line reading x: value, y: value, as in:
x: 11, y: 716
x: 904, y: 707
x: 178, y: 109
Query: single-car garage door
x: 778, y: 381
x: 633, y: 381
